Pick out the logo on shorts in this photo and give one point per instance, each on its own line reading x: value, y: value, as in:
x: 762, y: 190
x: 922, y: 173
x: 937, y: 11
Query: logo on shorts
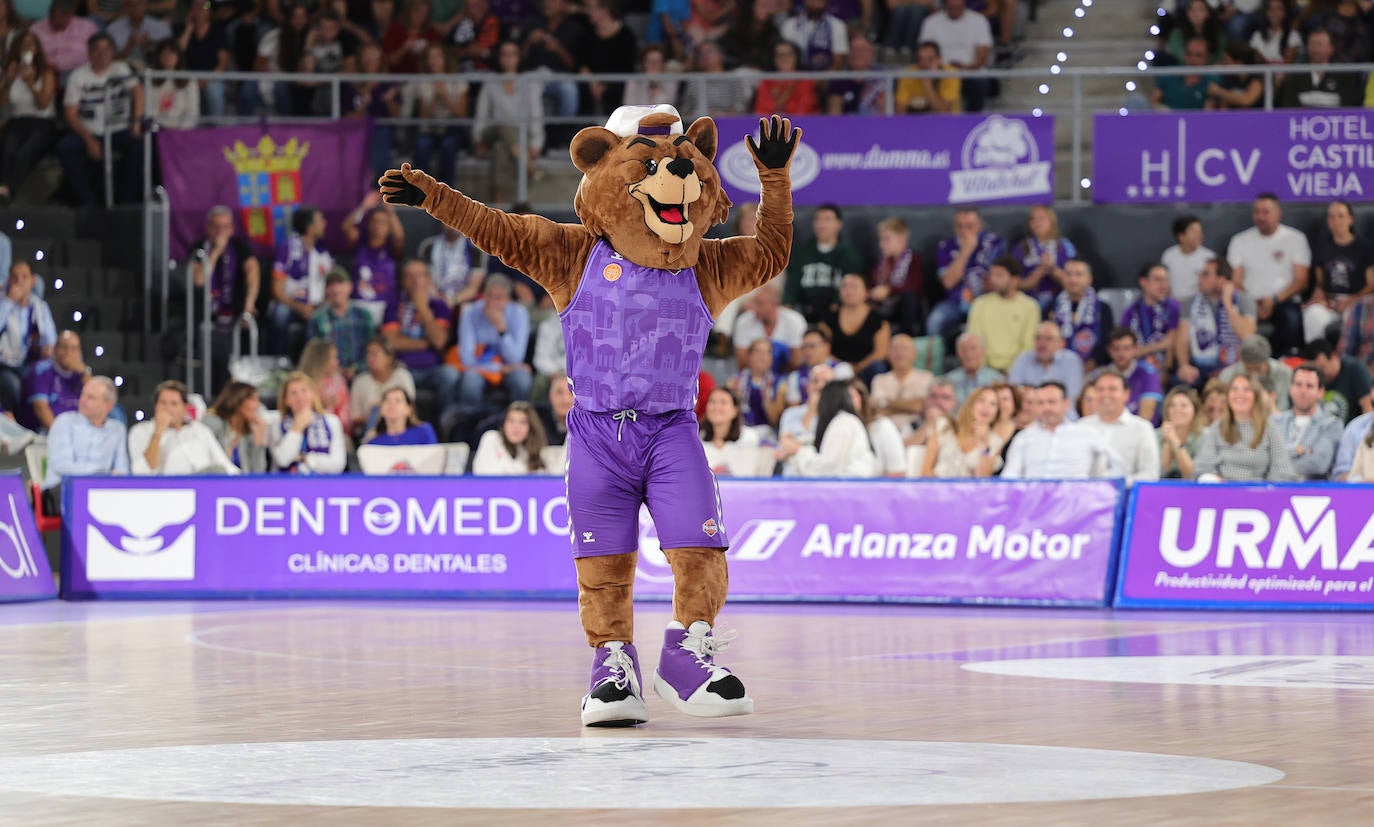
x: 587, y: 537
x: 710, y: 527
x: 611, y: 272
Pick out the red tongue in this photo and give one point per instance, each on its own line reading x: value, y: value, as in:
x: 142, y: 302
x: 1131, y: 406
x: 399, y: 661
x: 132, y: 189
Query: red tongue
x: 672, y: 215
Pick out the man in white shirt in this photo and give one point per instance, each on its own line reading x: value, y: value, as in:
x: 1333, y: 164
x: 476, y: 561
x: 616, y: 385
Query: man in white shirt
x: 171, y: 444
x: 102, y: 98
x: 1271, y: 261
x: 1186, y: 259
x: 1311, y: 433
x: 1131, y: 438
x: 822, y: 37
x: 1055, y: 449
x: 767, y: 318
x: 965, y: 40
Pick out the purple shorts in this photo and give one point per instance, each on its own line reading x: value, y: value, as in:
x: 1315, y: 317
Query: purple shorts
x: 614, y: 466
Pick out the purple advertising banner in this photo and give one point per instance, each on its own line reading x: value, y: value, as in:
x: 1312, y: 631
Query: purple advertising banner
x: 948, y: 542
x: 262, y: 172
x: 1299, y: 154
x: 926, y: 159
x: 24, y: 572
x: 1249, y: 547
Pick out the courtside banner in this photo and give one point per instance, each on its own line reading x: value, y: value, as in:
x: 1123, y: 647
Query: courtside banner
x: 24, y: 572
x: 926, y: 159
x: 1047, y: 543
x: 1248, y: 547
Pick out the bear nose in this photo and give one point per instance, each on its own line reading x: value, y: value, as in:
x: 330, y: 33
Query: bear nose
x: 681, y: 167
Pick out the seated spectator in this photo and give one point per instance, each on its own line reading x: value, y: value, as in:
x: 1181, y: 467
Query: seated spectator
x: 965, y: 40
x: 1053, y: 448
x: 398, y: 424
x: 1271, y: 261
x: 206, y: 49
x: 1131, y: 438
x: 1354, y: 433
x: 821, y: 39
x: 817, y: 267
x: 320, y: 361
x: 1213, y: 401
x: 763, y: 393
x: 1153, y: 318
x: 1212, y: 326
x: 1011, y: 414
x: 709, y: 20
x: 1308, y: 430
x: 439, y: 100
x: 889, y: 449
x: 750, y: 39
x: 1048, y: 361
x: 515, y: 448
x: 234, y: 279
x: 1238, y: 88
x: 1318, y: 89
x: 650, y: 88
x: 1181, y: 434
x: 86, y: 442
x: 1357, y: 330
x: 731, y: 447
x: 27, y: 333
x: 407, y: 39
x: 417, y: 327
x: 306, y: 440
x: 236, y: 420
x: 1276, y: 37
x: 171, y: 443
x: 332, y: 44
x: 137, y: 34
x: 1257, y: 362
x: 900, y: 394
x: 1144, y: 390
x: 1348, y: 23
x: 1186, y: 259
x: 1043, y: 254
x: 28, y: 85
x: 102, y: 98
x: 973, y: 371
x: 1004, y: 317
x: 373, y: 99
x: 341, y: 321
x: 1084, y: 320
x: 283, y: 49
x: 858, y: 96
x: 941, y: 405
x: 859, y: 336
x: 844, y: 450
x: 382, y: 372
x: 898, y: 278
x: 1197, y: 21
x: 767, y: 318
x: 1187, y: 92
x: 799, y: 420
x: 554, y: 414
x: 796, y: 97
x: 376, y: 249
x: 666, y: 30
x: 815, y: 351
x: 962, y: 264
x: 938, y: 95
x: 904, y: 19
x: 453, y: 261
x: 1086, y: 404
x: 492, y: 338
x: 298, y: 274
x: 502, y: 106
x: 476, y: 36
x: 1347, y: 381
x: 65, y: 37
x: 53, y: 386
x: 971, y: 448
x: 1243, y: 445
x: 713, y: 90
x: 1342, y: 271
x: 173, y: 104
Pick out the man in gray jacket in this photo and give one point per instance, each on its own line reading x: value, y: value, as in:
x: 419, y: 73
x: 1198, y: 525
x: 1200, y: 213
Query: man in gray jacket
x: 1311, y: 433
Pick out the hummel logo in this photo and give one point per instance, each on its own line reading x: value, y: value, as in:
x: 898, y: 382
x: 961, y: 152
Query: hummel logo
x: 587, y: 537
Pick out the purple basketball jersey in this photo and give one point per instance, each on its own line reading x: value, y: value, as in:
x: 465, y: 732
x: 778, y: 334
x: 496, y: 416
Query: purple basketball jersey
x: 635, y: 336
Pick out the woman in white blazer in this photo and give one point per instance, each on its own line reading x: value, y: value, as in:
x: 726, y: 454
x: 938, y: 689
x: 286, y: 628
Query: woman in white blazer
x: 844, y: 448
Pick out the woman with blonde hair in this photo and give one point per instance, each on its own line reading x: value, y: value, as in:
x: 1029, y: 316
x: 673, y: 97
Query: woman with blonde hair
x: 1181, y: 434
x: 515, y: 449
x: 236, y: 421
x: 1240, y: 446
x: 307, y: 440
x: 1043, y: 253
x: 320, y: 361
x: 971, y: 448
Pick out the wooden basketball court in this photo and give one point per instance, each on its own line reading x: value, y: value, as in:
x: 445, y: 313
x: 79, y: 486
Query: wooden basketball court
x: 443, y: 713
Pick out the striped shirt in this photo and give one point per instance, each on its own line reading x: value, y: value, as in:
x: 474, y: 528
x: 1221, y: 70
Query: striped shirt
x: 1238, y: 462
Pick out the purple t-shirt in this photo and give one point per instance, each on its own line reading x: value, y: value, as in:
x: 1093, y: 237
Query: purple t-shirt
x: 49, y: 383
x: 400, y: 316
x: 990, y: 247
x: 1029, y: 251
x: 1143, y: 383
x: 635, y: 336
x: 1151, y: 322
x: 374, y: 273
x: 422, y: 434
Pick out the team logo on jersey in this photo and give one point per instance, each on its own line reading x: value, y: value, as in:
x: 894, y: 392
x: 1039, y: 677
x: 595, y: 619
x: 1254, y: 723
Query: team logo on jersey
x: 710, y: 527
x: 611, y: 272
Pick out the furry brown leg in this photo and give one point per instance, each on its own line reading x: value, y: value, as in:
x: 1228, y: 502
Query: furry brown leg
x: 605, y: 591
x: 700, y: 582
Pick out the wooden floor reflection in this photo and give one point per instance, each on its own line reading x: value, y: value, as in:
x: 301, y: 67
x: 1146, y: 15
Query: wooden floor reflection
x: 83, y: 677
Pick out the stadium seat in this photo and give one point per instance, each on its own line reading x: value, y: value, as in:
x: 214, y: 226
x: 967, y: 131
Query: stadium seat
x: 36, y: 457
x: 1118, y: 299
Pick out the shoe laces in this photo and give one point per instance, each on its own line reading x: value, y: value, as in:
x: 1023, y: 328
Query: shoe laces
x: 621, y: 667
x: 707, y: 646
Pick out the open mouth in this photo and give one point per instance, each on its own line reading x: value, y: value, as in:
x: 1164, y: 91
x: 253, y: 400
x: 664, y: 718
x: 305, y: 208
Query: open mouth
x: 668, y: 213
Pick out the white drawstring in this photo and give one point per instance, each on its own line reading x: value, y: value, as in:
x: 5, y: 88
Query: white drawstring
x: 621, y: 416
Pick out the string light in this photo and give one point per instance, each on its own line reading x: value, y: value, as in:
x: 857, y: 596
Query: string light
x: 1130, y: 86
x: 76, y: 315
x: 1037, y: 112
x: 19, y: 225
x: 119, y: 383
x: 1078, y: 12
x: 57, y: 284
x: 1068, y: 32
x: 1044, y: 88
x: 1062, y: 56
x: 1085, y: 183
x: 99, y: 350
x: 38, y: 256
x: 1054, y: 70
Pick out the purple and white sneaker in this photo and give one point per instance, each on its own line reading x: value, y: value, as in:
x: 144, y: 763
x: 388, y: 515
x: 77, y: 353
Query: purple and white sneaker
x: 688, y: 678
x: 617, y: 694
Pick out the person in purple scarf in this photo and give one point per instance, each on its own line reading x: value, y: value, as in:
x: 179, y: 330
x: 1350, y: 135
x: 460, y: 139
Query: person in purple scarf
x: 377, y: 240
x: 1081, y: 316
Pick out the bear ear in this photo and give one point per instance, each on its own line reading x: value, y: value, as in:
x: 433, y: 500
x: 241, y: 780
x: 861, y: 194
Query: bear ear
x: 590, y: 145
x: 703, y: 134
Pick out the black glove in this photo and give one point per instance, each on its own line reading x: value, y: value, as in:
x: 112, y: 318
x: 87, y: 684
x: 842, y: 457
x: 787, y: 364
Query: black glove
x: 777, y: 142
x: 397, y: 190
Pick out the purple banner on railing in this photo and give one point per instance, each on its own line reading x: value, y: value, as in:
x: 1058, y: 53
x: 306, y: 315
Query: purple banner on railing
x: 1298, y: 154
x: 1249, y: 546
x: 262, y: 173
x: 952, y: 541
x: 24, y: 572
x: 925, y: 159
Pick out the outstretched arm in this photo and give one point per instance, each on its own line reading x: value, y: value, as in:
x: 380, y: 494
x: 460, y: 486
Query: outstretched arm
x: 734, y: 266
x: 551, y: 254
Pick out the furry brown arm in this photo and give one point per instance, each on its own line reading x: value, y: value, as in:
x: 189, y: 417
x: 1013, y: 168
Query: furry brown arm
x: 729, y: 268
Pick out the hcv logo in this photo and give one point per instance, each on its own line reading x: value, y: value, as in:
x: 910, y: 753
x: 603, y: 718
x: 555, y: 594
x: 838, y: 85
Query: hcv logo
x: 140, y: 534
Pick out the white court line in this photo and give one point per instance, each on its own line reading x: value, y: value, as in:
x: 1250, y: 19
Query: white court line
x: 1320, y: 789
x: 1051, y: 642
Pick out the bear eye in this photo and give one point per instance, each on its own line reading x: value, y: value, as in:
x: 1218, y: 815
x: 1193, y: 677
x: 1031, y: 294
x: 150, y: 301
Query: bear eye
x: 651, y: 166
